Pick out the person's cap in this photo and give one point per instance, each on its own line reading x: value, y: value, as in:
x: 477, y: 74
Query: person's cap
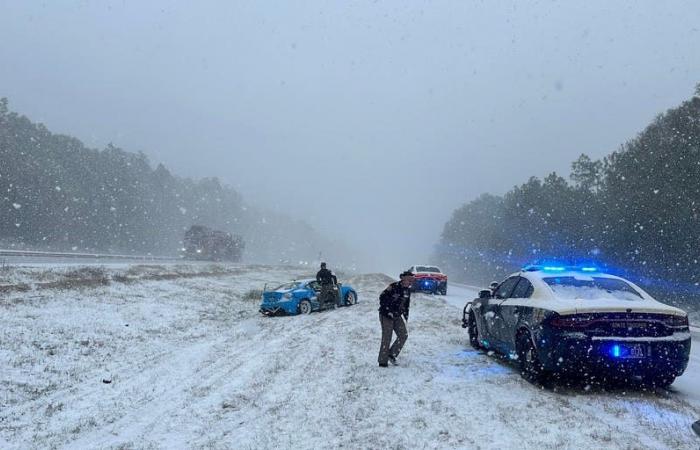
x: 406, y: 274
x: 323, y: 264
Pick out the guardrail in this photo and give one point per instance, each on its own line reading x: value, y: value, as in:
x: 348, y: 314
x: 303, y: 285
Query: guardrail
x: 41, y: 254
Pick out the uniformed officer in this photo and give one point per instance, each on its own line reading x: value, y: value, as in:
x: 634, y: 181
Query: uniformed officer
x: 394, y: 304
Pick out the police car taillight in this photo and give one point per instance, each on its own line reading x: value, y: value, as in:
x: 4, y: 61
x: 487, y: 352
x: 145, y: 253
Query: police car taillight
x: 573, y: 321
x: 677, y: 321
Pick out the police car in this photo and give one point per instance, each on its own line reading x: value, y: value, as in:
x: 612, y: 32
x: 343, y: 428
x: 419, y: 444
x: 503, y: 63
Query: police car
x: 577, y: 320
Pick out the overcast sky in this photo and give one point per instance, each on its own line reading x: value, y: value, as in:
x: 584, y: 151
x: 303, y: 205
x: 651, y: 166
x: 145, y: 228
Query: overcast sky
x: 373, y: 121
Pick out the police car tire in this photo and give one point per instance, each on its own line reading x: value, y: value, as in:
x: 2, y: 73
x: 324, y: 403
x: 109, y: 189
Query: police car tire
x: 530, y: 367
x: 473, y: 331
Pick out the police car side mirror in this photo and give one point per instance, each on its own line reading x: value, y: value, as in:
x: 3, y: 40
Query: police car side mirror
x: 485, y: 293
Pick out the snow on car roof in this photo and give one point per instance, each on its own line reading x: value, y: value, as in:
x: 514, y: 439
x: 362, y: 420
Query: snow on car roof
x: 418, y: 268
x: 557, y: 299
x: 569, y: 273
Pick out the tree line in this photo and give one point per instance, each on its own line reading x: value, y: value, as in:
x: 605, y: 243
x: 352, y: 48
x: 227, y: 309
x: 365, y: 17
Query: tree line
x: 55, y: 193
x: 634, y: 212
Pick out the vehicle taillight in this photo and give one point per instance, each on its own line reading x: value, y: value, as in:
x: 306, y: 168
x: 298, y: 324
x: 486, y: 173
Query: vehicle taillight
x: 676, y: 321
x: 573, y: 321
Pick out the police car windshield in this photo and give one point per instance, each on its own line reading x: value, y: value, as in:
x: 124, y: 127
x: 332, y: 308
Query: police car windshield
x: 572, y: 288
x: 427, y: 269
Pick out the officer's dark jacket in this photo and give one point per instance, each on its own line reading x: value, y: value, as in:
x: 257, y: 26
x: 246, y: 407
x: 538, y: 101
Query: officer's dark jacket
x: 325, y: 276
x: 395, y: 299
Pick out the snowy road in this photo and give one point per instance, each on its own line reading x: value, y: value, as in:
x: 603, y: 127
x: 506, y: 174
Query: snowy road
x: 189, y: 363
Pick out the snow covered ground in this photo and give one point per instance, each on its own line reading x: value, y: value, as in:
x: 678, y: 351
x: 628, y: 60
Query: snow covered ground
x: 167, y: 362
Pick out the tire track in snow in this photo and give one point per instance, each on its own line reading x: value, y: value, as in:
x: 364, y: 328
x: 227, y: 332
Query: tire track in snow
x: 203, y: 369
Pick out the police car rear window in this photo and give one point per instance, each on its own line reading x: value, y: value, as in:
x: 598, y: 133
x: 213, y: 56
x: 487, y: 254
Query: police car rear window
x: 427, y: 269
x: 571, y: 288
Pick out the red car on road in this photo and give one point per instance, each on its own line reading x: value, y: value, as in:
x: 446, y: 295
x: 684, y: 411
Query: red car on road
x: 429, y: 279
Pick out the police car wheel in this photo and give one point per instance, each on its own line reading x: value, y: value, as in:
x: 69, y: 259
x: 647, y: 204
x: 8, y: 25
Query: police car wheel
x: 305, y: 307
x: 350, y: 299
x: 473, y: 331
x: 530, y: 366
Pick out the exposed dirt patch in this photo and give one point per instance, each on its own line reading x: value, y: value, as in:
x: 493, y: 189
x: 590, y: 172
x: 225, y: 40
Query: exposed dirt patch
x: 21, y: 287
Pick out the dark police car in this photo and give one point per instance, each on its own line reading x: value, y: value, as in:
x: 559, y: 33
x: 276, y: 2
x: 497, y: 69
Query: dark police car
x: 556, y: 319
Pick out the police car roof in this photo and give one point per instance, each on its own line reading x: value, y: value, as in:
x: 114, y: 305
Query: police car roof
x: 566, y: 273
x: 557, y: 303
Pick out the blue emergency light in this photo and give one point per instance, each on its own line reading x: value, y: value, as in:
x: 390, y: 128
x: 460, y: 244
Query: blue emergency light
x: 559, y: 268
x: 615, y: 351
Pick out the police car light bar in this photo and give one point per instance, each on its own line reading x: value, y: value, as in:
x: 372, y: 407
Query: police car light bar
x: 552, y: 268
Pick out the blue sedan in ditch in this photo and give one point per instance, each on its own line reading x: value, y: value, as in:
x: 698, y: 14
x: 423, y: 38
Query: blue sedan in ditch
x: 300, y: 297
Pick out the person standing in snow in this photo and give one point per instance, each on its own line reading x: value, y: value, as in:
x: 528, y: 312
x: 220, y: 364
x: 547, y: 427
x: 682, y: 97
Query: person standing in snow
x: 394, y: 303
x: 328, y: 282
x: 493, y: 286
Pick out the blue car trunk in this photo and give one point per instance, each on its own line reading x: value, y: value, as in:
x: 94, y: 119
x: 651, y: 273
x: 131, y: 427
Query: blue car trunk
x: 269, y: 297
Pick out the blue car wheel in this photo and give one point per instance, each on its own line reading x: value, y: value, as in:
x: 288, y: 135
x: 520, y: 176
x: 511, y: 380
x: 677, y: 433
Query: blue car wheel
x: 350, y: 298
x: 304, y: 307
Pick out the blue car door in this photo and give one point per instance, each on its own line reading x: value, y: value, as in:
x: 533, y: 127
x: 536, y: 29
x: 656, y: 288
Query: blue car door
x: 314, y: 289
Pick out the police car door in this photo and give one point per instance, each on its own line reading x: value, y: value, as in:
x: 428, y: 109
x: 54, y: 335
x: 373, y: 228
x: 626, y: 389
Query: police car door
x: 515, y: 307
x: 493, y: 316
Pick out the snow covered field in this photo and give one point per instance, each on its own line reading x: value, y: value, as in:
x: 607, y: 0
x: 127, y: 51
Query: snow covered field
x: 188, y: 362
